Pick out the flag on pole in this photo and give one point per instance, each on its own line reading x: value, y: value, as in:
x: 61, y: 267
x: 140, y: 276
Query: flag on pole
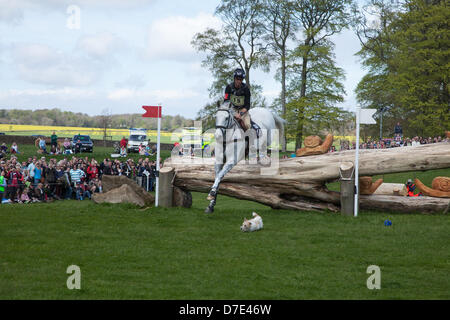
x: 364, y: 116
x: 152, y: 111
x: 155, y: 112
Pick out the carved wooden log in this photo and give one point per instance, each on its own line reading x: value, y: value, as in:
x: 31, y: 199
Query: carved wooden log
x: 299, y: 183
x: 313, y: 141
x: 391, y: 189
x: 181, y: 198
x: 440, y: 187
x: 441, y: 183
x: 165, y: 185
x: 404, y: 204
x: 367, y: 186
x: 314, y: 146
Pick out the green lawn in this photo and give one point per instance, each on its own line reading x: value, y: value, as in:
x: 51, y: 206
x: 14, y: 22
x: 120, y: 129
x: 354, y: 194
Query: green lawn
x: 128, y: 253
x: 125, y: 252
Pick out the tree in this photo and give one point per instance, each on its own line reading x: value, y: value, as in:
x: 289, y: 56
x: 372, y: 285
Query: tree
x: 319, y: 19
x: 372, y: 26
x: 420, y: 66
x: 325, y: 89
x: 207, y: 115
x: 240, y: 43
x: 406, y: 54
x: 105, y: 122
x: 280, y: 27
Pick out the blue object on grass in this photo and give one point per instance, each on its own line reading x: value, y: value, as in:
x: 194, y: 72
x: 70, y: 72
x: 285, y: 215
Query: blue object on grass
x: 388, y: 223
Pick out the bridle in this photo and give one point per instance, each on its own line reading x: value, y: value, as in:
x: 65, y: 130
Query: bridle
x: 230, y: 119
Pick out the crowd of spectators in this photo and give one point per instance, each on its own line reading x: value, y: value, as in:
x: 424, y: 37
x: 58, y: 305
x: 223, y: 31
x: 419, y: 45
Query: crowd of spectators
x: 397, y: 141
x: 4, y: 149
x: 42, y: 180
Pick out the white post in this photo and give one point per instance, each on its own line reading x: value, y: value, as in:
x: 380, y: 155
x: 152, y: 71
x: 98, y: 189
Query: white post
x: 157, y: 160
x: 358, y: 111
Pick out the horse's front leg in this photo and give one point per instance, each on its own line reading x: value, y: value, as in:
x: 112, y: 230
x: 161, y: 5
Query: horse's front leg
x: 212, y: 196
x: 212, y: 193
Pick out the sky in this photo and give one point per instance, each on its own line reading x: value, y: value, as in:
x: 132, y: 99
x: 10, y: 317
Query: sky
x: 113, y: 56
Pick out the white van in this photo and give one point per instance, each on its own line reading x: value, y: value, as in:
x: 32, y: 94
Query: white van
x: 137, y: 137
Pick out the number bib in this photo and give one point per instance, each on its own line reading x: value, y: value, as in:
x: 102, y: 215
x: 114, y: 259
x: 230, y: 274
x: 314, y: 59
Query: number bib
x: 238, y: 101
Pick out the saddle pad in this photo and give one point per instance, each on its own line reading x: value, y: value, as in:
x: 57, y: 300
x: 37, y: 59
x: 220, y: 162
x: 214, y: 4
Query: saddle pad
x: 256, y: 128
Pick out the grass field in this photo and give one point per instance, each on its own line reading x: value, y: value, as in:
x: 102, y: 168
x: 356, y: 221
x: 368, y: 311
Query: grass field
x: 125, y: 252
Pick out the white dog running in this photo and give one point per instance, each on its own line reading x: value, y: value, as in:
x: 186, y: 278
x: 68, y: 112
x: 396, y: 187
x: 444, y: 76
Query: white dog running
x: 252, y: 225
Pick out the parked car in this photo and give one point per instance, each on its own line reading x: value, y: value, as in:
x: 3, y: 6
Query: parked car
x: 86, y: 143
x: 137, y: 137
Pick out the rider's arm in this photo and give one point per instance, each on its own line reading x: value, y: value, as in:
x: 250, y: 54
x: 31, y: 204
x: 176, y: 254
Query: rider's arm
x: 227, y: 93
x: 247, y: 99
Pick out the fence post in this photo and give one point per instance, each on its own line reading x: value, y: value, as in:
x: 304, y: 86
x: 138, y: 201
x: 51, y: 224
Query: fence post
x: 166, y: 175
x: 347, y: 171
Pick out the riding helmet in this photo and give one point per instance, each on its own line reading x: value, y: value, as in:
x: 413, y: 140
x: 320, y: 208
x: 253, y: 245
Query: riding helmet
x: 239, y: 73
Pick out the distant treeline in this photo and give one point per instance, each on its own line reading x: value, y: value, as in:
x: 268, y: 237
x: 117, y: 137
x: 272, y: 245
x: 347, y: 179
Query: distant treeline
x: 56, y: 117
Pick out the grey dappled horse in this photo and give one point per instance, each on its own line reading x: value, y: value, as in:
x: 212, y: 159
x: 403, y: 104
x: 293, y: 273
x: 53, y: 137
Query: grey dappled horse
x: 230, y: 142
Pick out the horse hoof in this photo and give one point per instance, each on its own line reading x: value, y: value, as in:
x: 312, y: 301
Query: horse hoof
x: 209, y: 210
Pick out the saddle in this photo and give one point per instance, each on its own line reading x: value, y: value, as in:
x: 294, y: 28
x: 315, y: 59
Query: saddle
x: 253, y: 125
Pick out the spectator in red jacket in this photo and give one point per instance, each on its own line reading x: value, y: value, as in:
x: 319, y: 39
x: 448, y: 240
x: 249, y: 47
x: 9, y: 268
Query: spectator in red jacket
x: 15, y: 179
x: 92, y: 170
x: 123, y: 142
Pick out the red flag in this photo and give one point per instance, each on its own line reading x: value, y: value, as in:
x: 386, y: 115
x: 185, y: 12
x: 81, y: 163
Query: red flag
x: 152, y: 112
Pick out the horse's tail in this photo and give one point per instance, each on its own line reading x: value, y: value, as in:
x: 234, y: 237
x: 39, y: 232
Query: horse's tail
x: 279, y: 123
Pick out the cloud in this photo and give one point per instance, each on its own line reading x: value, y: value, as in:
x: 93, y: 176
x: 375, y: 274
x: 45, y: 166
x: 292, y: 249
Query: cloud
x: 271, y: 94
x: 42, y: 64
x: 12, y: 11
x: 133, y: 81
x: 100, y: 45
x: 170, y: 38
x: 154, y: 95
x: 63, y: 93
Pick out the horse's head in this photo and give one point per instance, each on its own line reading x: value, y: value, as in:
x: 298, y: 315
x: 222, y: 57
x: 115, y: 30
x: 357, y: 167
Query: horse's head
x: 224, y: 117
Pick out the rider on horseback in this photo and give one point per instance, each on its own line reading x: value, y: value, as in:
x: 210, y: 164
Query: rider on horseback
x: 238, y: 93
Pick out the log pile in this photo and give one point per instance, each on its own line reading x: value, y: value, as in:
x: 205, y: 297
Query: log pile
x: 300, y: 183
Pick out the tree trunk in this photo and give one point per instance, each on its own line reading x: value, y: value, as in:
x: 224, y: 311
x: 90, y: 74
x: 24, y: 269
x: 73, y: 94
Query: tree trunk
x: 299, y: 183
x: 301, y: 111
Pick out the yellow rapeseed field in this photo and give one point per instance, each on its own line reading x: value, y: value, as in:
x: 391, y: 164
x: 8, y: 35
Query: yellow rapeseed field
x: 16, y: 129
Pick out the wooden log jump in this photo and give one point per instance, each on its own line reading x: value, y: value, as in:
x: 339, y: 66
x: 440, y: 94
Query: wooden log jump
x: 300, y: 183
